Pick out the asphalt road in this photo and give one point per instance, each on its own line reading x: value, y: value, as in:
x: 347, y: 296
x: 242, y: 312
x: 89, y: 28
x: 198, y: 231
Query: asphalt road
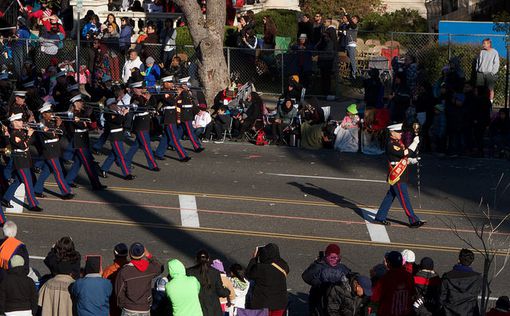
x: 233, y: 197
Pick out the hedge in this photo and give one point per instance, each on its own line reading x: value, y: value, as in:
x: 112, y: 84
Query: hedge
x: 184, y: 36
x: 286, y: 22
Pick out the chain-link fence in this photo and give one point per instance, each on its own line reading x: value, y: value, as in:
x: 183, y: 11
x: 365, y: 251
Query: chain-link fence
x: 322, y: 73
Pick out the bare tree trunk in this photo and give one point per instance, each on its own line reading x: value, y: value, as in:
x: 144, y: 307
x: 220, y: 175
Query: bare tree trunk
x: 485, y: 286
x: 208, y: 34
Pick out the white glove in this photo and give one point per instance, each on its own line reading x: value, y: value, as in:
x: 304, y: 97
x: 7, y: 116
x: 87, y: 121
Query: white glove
x: 414, y: 144
x: 413, y: 161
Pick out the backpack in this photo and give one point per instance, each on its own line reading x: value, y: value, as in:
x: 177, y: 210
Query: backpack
x: 261, y: 139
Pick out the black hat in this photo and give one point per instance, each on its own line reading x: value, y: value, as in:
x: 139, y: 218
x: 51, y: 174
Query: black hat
x: 93, y: 264
x: 503, y: 303
x: 394, y: 259
x: 427, y: 263
x: 120, y: 250
x: 136, y: 251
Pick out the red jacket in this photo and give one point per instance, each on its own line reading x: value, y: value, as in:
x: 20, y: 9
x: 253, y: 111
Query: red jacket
x: 394, y: 293
x: 495, y: 312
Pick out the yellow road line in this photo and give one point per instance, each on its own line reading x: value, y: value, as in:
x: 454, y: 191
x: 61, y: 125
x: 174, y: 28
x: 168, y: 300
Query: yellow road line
x: 223, y: 231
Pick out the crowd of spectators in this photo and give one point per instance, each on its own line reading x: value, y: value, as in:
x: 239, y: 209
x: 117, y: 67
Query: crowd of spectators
x: 136, y: 283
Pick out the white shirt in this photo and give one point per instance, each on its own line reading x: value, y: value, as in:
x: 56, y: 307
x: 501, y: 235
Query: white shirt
x: 202, y: 119
x: 130, y: 64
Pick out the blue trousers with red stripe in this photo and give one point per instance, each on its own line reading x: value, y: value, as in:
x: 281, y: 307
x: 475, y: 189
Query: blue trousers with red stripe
x: 52, y: 166
x: 398, y: 190
x: 142, y: 141
x: 22, y: 176
x: 189, y: 130
x: 116, y: 155
x: 82, y: 156
x: 171, y: 137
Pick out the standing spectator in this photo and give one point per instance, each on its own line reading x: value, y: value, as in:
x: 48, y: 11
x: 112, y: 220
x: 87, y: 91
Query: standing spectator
x: 305, y: 26
x: 302, y: 64
x: 269, y: 273
x: 374, y: 90
x: 502, y: 307
x: 101, y: 63
x: 126, y: 31
x: 120, y: 253
x: 318, y: 29
x: 349, y: 297
x: 63, y: 258
x: 330, y: 28
x: 168, y: 36
x: 18, y: 294
x: 409, y: 259
x: 111, y: 20
x: 454, y: 119
x: 326, y: 270
x: 460, y: 287
x: 90, y: 29
x: 152, y: 72
x: 182, y: 291
x: 326, y: 48
x: 10, y: 247
x: 394, y: 292
x: 20, y: 44
x: 487, y: 67
x: 480, y: 120
x: 55, y: 298
x: 437, y: 131
x: 224, y: 301
x: 91, y: 293
x: 133, y: 285
x: 269, y: 33
x: 351, y: 35
x: 211, y: 287
x: 342, y: 33
x: 133, y: 61
x: 111, y: 39
x: 411, y: 70
x: 428, y: 289
x: 240, y: 284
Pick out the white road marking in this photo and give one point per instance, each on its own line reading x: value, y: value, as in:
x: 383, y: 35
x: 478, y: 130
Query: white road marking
x: 18, y: 196
x: 377, y: 233
x: 325, y: 178
x: 36, y: 257
x: 189, y: 212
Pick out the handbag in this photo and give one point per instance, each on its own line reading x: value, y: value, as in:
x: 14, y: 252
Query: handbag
x: 252, y: 312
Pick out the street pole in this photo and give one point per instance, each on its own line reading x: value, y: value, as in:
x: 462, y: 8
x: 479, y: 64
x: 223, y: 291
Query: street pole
x: 79, y: 6
x: 507, y: 73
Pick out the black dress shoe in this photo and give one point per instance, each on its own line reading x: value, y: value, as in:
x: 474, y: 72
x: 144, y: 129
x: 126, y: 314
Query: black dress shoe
x: 40, y: 195
x: 417, y: 224
x: 156, y: 169
x: 6, y: 204
x: 68, y: 162
x: 159, y: 158
x: 95, y: 152
x: 37, y: 170
x: 185, y: 159
x: 199, y: 150
x: 35, y: 209
x: 68, y: 196
x: 378, y: 222
x: 129, y: 177
x: 103, y: 174
x: 99, y: 187
x: 170, y: 148
x: 74, y: 185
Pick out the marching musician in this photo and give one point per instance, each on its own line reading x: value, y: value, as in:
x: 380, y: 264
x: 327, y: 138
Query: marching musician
x: 19, y: 106
x: 50, y: 142
x: 169, y: 116
x: 79, y: 133
x: 114, y: 122
x: 187, y: 110
x: 20, y: 139
x: 141, y: 125
x: 399, y: 160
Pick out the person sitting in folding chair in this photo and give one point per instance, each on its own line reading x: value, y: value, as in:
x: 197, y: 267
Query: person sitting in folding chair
x: 285, y: 115
x: 221, y: 125
x: 253, y: 114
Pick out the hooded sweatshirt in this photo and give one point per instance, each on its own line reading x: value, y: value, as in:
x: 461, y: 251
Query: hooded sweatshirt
x: 130, y: 64
x: 270, y: 283
x: 133, y: 285
x: 459, y: 291
x: 182, y: 291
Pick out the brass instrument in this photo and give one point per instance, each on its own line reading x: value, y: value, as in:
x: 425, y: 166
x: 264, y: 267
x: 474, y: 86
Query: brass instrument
x: 41, y: 128
x: 69, y: 117
x: 6, y: 151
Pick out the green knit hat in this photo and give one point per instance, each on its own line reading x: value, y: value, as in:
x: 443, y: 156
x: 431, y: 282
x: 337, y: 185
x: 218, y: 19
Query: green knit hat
x: 353, y: 109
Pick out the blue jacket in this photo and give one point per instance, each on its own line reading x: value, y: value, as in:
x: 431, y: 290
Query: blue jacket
x: 125, y: 36
x: 92, y: 295
x: 152, y: 74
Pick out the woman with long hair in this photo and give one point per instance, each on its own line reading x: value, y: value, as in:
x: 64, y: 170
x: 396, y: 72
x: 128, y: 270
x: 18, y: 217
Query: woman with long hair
x: 111, y: 19
x: 63, y: 258
x: 211, y: 287
x: 269, y: 33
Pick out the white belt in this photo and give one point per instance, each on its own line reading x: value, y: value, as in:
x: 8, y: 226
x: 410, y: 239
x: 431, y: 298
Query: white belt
x: 54, y: 140
x: 169, y: 108
x: 20, y: 150
x: 116, y: 130
x: 187, y: 106
x: 142, y: 114
x: 394, y: 163
x: 80, y: 130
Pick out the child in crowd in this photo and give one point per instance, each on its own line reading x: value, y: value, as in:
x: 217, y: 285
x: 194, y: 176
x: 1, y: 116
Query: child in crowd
x: 347, y: 132
x: 202, y: 119
x: 83, y: 79
x: 220, y: 124
x: 241, y: 288
x: 224, y: 301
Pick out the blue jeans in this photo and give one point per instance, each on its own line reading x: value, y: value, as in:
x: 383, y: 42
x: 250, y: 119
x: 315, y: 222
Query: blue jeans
x: 398, y: 190
x: 351, y: 52
x: 49, y: 166
x: 171, y: 137
x: 133, y: 313
x: 117, y: 155
x: 142, y: 141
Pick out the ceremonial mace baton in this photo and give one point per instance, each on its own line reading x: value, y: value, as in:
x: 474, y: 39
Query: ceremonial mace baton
x: 416, y: 128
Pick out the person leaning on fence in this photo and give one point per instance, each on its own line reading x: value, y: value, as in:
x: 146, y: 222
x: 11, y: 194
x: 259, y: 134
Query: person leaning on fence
x: 487, y: 67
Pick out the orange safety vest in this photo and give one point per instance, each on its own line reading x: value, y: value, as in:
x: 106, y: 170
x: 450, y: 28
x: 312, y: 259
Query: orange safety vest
x: 7, y: 249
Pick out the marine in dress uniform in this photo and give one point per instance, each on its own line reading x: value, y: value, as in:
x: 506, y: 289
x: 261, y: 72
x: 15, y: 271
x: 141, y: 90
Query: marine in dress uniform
x: 169, y: 117
x: 398, y: 160
x: 50, y: 143
x: 187, y: 111
x: 78, y: 130
x: 141, y: 127
x: 114, y: 122
x: 20, y: 139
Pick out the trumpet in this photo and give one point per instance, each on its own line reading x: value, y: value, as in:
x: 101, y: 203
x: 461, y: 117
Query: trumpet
x: 41, y: 128
x: 69, y: 117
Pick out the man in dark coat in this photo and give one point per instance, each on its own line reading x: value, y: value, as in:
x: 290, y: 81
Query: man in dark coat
x: 17, y: 290
x: 350, y: 297
x: 460, y: 287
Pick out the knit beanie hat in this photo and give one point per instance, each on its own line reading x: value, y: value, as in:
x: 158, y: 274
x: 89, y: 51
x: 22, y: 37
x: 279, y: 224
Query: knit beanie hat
x: 394, y: 259
x: 120, y: 250
x: 427, y: 263
x: 332, y: 248
x: 136, y: 251
x: 408, y: 256
x: 218, y: 265
x: 93, y: 265
x: 17, y: 261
